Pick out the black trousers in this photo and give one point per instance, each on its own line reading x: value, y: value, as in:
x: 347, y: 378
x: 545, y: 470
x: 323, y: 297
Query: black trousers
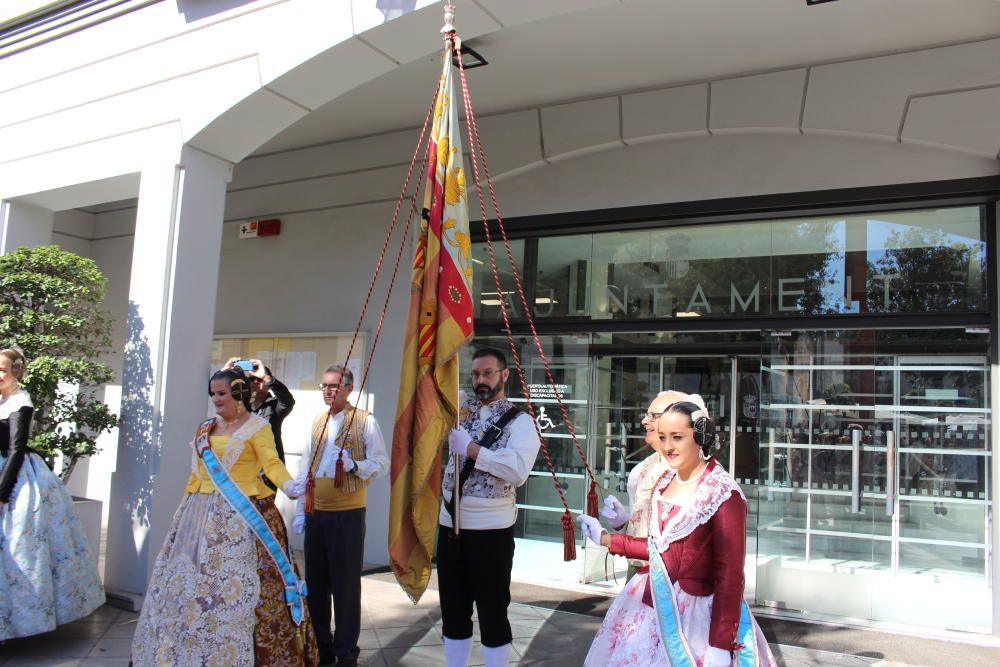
x: 480, y: 575
x: 334, y: 549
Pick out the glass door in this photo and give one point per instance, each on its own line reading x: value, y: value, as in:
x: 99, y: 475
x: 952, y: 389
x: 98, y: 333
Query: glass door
x: 623, y: 389
x: 936, y: 436
x: 873, y: 461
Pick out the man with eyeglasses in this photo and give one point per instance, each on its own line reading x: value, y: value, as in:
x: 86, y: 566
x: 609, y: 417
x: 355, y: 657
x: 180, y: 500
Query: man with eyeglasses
x: 496, y: 444
x: 335, y: 530
x: 642, y: 479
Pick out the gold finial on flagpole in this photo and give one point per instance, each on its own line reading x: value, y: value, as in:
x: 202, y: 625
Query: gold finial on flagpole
x: 449, y: 18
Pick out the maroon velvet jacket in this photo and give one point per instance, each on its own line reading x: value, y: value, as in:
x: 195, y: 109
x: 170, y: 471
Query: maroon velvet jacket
x: 709, y: 560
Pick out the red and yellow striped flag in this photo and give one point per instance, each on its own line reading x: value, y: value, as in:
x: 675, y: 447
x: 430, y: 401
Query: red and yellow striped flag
x: 439, y: 324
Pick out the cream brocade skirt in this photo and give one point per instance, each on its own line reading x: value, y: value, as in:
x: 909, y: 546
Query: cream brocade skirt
x: 199, y: 607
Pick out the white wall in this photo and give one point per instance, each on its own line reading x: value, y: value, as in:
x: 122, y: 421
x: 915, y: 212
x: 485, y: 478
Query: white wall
x: 731, y: 165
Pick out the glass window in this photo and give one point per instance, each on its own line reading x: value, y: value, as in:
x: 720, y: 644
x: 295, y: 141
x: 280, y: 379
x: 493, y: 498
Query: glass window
x: 484, y: 290
x: 898, y: 262
x: 926, y: 261
x: 563, y: 287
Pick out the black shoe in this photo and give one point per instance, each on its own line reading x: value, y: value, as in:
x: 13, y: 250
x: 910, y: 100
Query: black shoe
x: 351, y: 659
x: 327, y: 659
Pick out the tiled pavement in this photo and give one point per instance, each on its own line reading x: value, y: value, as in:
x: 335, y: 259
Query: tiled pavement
x: 394, y: 632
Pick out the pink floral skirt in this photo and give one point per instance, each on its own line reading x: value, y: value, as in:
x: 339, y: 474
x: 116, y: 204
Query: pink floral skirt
x: 629, y: 634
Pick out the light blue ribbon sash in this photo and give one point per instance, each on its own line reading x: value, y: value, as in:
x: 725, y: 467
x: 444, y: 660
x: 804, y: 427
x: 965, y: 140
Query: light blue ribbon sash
x: 295, y: 588
x: 668, y: 619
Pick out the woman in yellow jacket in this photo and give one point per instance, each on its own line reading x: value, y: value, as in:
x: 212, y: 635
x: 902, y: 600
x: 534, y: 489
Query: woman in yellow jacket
x: 216, y: 597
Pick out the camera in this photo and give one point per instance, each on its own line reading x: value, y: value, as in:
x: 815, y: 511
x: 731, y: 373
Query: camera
x: 246, y: 366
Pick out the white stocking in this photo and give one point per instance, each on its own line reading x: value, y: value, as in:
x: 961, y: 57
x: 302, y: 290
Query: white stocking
x: 457, y: 652
x: 496, y: 656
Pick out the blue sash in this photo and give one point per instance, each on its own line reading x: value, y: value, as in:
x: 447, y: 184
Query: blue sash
x: 668, y: 619
x: 295, y: 588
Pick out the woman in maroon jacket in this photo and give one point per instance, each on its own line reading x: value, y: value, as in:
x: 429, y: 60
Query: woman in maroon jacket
x: 686, y: 607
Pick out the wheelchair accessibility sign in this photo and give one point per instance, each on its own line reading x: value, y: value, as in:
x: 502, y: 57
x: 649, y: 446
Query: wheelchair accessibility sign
x: 543, y: 420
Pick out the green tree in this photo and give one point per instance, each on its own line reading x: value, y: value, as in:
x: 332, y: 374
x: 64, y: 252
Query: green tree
x: 50, y: 305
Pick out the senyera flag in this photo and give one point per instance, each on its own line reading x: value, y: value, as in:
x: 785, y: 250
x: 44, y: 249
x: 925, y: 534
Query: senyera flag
x: 439, y: 324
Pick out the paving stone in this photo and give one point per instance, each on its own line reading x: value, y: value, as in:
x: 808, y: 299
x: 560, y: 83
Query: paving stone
x: 112, y: 647
x: 118, y: 630
x: 416, y: 656
x: 401, y: 637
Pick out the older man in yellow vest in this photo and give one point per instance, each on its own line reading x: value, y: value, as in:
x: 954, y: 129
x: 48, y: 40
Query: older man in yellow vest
x: 348, y: 441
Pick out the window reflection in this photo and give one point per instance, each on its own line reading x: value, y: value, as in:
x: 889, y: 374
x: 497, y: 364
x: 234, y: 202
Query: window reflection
x: 900, y: 262
x: 487, y: 298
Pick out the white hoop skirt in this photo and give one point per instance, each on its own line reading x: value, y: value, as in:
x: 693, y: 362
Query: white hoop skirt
x: 629, y: 635
x: 48, y: 576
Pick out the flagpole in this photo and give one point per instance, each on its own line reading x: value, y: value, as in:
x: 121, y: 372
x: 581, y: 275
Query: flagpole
x: 448, y: 29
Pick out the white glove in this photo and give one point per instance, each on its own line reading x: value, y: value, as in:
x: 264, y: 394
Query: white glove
x: 591, y: 527
x: 458, y: 441
x: 717, y: 657
x: 294, y: 488
x: 615, y: 512
x: 335, y: 455
x: 349, y: 464
x: 299, y: 524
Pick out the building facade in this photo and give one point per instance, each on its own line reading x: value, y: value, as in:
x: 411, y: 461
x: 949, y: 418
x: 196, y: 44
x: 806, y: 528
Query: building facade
x: 789, y: 209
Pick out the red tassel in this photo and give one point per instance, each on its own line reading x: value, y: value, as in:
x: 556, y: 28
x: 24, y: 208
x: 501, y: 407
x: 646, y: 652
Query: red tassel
x: 338, y: 477
x: 310, y: 492
x: 569, y: 538
x: 592, y: 500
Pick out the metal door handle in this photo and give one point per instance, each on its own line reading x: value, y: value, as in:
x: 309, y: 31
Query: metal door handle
x: 855, y: 468
x: 890, y: 473
x: 770, y: 464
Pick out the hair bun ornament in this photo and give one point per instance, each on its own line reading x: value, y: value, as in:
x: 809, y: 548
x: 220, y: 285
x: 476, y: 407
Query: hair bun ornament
x: 18, y: 362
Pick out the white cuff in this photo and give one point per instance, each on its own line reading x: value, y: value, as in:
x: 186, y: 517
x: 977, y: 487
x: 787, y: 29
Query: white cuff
x: 717, y: 657
x: 294, y: 488
x: 365, y: 469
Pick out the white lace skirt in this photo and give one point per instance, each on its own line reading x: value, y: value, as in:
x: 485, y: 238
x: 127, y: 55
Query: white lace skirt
x: 47, y: 574
x: 629, y: 634
x: 199, y: 607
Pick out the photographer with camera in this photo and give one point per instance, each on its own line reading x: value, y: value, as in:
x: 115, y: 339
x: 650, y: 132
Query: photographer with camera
x: 269, y: 398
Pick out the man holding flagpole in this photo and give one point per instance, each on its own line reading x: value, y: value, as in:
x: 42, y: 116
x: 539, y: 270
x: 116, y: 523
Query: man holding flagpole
x: 495, y: 446
x: 439, y: 324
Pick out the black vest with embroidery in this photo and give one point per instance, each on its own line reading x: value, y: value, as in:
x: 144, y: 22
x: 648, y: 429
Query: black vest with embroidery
x: 481, y: 484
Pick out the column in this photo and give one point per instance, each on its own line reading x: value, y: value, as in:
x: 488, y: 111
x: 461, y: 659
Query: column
x: 167, y: 351
x: 23, y: 225
x: 992, y: 467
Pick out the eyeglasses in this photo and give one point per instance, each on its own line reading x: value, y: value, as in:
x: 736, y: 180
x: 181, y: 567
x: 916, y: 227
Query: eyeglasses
x: 486, y: 375
x: 652, y: 415
x: 324, y: 386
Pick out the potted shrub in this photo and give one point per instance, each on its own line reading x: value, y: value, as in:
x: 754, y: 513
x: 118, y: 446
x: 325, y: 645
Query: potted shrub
x: 51, y: 305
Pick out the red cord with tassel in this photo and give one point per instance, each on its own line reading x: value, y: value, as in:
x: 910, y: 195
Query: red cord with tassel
x: 310, y: 492
x: 338, y: 477
x: 592, y: 500
x: 569, y: 537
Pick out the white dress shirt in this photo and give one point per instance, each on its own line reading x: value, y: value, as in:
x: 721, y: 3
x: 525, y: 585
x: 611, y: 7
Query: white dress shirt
x: 374, y: 465
x: 512, y: 463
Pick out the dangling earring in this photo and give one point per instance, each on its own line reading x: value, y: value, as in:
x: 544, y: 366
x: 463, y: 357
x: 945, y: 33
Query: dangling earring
x: 703, y: 455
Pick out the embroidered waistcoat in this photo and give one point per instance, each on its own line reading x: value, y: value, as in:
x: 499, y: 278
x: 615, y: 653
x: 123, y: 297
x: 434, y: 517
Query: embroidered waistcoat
x: 352, y: 442
x: 481, y: 484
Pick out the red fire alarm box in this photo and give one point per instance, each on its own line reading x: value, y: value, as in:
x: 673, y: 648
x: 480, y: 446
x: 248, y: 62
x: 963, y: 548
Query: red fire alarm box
x: 270, y: 227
